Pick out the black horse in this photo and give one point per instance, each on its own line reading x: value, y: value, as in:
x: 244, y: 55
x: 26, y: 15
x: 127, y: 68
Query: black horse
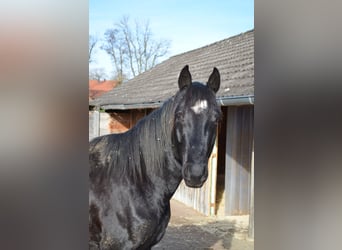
x: 133, y: 175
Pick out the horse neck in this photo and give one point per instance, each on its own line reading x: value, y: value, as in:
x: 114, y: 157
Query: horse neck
x: 162, y: 168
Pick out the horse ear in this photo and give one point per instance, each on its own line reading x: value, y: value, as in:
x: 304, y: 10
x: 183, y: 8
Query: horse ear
x: 214, y: 80
x: 184, y: 79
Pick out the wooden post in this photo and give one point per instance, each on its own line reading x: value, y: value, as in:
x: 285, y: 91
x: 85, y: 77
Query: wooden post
x: 94, y: 123
x: 98, y: 121
x: 213, y: 178
x: 251, y: 203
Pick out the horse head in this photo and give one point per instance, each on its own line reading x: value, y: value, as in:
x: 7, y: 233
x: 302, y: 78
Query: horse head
x: 196, y: 117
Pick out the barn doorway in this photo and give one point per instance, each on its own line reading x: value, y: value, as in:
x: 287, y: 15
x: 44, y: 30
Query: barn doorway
x: 221, y: 162
x: 235, y: 141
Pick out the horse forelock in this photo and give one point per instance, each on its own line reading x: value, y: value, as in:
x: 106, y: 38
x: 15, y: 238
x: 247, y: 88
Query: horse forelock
x: 199, y: 97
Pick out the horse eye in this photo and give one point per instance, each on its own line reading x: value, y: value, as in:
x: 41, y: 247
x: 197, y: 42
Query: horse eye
x: 179, y: 115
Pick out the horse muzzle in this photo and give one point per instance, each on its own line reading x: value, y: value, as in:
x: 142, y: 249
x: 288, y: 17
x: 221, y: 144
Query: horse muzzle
x: 195, y: 174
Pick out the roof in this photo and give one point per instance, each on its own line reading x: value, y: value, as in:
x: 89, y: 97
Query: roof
x: 234, y: 58
x: 98, y: 88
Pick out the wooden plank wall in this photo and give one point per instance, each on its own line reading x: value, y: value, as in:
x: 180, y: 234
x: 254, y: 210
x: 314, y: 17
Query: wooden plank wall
x: 93, y: 124
x: 240, y: 120
x: 98, y: 124
x: 102, y: 123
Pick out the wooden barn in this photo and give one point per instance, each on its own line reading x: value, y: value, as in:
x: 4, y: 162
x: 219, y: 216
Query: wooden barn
x: 229, y: 188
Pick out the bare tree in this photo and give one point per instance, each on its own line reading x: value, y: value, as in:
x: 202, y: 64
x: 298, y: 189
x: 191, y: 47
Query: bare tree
x: 133, y: 50
x: 97, y: 74
x: 92, y: 43
x: 115, y: 47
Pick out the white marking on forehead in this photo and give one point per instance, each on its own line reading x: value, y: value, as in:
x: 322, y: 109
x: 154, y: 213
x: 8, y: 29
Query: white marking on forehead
x: 199, y: 106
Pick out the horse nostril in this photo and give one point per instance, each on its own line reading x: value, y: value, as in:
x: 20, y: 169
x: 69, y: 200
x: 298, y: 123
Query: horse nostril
x: 195, y: 173
x: 186, y: 173
x: 187, y: 179
x: 204, y: 178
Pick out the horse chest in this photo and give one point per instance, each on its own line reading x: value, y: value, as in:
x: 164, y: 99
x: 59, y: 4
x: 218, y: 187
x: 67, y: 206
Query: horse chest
x: 135, y: 229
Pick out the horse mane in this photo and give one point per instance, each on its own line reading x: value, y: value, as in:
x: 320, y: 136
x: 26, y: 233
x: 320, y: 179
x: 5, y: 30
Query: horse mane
x: 137, y: 151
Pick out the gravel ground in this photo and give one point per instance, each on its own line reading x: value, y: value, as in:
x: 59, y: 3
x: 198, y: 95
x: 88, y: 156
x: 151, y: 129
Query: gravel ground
x: 189, y: 229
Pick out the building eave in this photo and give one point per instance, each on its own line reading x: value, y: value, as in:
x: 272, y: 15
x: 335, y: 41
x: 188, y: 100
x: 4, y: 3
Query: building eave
x: 222, y: 101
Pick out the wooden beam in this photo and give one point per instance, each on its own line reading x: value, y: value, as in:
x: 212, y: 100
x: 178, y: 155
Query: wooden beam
x: 251, y: 206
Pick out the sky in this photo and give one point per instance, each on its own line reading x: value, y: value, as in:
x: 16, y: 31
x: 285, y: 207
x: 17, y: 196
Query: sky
x: 187, y: 24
